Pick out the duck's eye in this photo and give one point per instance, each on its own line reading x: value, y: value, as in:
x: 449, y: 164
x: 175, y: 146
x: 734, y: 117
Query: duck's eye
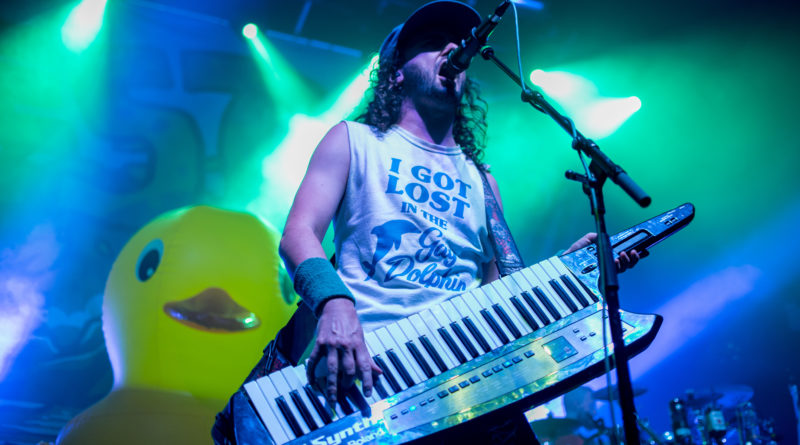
x: 149, y: 260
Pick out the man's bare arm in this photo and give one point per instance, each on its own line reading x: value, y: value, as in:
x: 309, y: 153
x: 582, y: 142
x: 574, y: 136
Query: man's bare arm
x: 316, y: 200
x: 339, y: 345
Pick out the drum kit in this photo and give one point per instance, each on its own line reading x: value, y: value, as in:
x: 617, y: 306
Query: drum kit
x: 721, y: 415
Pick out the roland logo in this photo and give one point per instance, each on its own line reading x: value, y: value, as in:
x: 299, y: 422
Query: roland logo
x: 341, y: 437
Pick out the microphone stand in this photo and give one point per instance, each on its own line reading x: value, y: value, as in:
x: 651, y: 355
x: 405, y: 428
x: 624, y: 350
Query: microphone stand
x: 600, y: 168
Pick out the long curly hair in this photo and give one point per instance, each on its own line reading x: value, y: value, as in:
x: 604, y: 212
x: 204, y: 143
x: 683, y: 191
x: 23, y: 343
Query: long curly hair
x: 385, y: 97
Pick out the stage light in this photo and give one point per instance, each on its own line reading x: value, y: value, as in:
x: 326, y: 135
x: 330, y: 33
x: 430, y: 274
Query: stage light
x: 282, y: 81
x: 250, y: 31
x: 563, y: 86
x: 351, y: 95
x: 594, y: 115
x: 604, y: 116
x: 530, y: 4
x: 83, y: 24
x: 283, y: 169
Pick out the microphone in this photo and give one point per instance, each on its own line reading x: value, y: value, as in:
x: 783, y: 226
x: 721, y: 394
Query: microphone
x: 458, y: 60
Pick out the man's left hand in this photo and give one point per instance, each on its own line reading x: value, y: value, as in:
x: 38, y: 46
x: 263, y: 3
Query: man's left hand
x: 627, y: 259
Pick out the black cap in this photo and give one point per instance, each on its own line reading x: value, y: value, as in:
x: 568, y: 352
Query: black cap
x: 452, y: 18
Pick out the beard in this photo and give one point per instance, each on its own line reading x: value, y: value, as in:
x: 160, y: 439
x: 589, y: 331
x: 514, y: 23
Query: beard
x: 422, y: 84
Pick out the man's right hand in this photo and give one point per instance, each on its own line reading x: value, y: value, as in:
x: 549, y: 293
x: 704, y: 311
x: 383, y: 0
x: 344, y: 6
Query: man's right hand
x: 339, y: 351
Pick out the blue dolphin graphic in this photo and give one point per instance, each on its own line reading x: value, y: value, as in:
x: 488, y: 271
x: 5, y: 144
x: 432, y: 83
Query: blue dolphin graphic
x: 389, y: 235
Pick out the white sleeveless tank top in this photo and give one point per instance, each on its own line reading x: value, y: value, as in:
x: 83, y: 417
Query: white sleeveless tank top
x: 410, y: 231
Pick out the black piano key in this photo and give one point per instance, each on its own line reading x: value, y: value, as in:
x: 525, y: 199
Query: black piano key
x: 387, y: 374
x: 574, y: 289
x: 535, y: 307
x: 398, y: 365
x: 357, y: 400
x: 588, y: 291
x: 495, y: 326
x: 506, y: 320
x: 563, y: 294
x: 452, y: 345
x: 547, y: 303
x: 464, y: 339
x: 304, y: 412
x: 477, y: 334
x: 412, y: 348
x: 378, y: 387
x: 323, y: 413
x: 287, y: 414
x: 344, y: 404
x: 524, y: 313
x: 437, y: 359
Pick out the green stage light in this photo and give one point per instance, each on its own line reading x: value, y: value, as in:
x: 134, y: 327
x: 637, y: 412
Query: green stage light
x: 563, y: 86
x: 350, y: 97
x: 604, y: 116
x: 83, y: 24
x: 250, y: 31
x: 594, y: 115
x: 284, y: 167
x: 282, y: 81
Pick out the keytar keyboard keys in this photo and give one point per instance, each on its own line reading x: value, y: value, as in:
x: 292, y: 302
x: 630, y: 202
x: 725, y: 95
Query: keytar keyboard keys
x: 295, y: 385
x: 282, y: 387
x: 470, y: 307
x: 429, y: 322
x: 499, y: 294
x: 266, y: 413
x: 271, y: 396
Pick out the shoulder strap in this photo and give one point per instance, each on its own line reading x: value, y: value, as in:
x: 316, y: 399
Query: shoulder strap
x: 505, y: 250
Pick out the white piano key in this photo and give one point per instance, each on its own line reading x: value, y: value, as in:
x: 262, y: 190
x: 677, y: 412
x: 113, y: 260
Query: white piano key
x: 374, y: 350
x: 441, y: 315
x: 413, y: 335
x: 388, y: 340
x: 503, y: 293
x: 427, y: 320
x: 300, y: 372
x: 541, y: 280
x: 384, y: 384
x: 468, y: 306
x: 377, y: 348
x: 553, y: 274
x: 456, y: 309
x: 283, y: 389
x: 334, y: 408
x: 295, y: 384
x: 373, y: 398
x: 471, y: 306
x: 530, y: 276
x: 486, y: 303
x: 267, y: 414
x: 271, y: 394
x: 499, y: 293
x: 517, y: 284
x: 400, y: 338
x: 563, y: 270
x: 427, y: 326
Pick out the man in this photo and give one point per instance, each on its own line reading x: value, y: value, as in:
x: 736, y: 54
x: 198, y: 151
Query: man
x: 403, y: 189
x: 400, y: 184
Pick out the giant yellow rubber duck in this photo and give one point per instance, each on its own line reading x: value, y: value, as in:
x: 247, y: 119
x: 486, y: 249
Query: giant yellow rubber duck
x: 190, y: 302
